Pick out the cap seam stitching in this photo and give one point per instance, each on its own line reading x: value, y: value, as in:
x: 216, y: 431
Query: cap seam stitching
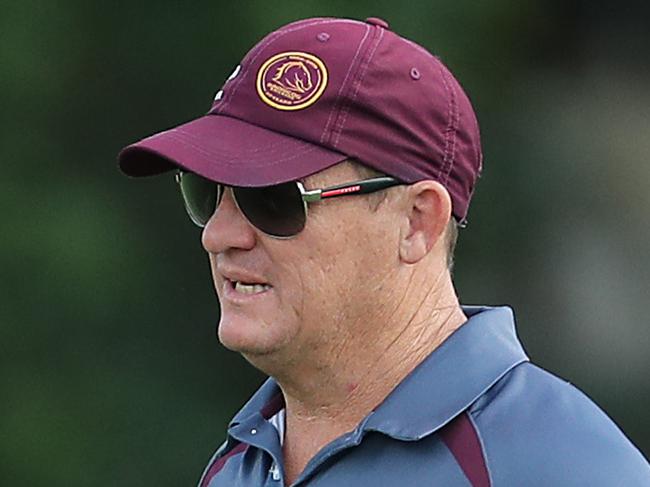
x: 364, y: 69
x: 190, y: 136
x: 339, y: 102
x: 454, y: 125
x: 448, y: 128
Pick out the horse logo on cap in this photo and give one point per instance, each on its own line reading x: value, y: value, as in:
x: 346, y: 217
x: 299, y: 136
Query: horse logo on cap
x: 291, y: 80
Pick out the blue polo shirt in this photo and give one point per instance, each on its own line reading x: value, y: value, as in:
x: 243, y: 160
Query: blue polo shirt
x: 474, y: 413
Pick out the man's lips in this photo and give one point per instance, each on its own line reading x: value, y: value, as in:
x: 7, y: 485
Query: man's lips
x: 239, y: 293
x: 242, y: 276
x: 240, y: 285
x: 249, y: 288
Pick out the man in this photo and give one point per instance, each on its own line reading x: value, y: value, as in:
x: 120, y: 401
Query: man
x: 377, y: 375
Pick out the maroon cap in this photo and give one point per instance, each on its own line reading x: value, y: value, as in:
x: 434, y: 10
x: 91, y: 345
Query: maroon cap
x: 319, y: 91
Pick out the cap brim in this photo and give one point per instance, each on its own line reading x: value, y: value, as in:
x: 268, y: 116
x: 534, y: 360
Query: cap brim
x: 229, y: 151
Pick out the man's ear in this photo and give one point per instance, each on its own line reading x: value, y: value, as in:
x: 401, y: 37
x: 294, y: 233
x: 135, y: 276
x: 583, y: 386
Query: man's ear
x: 428, y: 207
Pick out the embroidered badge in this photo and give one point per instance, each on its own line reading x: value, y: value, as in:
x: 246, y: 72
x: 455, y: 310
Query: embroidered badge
x: 291, y: 80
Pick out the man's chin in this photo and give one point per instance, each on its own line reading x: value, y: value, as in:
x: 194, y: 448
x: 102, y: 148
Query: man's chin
x: 241, y: 338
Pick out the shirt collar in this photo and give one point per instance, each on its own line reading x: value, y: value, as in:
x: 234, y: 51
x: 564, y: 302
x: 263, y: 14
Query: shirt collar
x: 452, y: 377
x: 448, y: 381
x: 267, y: 401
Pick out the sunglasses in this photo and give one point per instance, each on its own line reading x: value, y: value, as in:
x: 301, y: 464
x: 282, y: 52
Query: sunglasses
x: 279, y: 211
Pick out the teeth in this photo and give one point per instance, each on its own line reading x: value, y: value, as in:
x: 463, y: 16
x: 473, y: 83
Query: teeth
x: 250, y: 288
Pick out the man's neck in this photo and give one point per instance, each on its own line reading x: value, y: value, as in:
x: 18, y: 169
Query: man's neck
x: 327, y: 399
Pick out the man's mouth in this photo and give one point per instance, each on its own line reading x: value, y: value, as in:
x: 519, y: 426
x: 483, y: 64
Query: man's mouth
x: 249, y: 288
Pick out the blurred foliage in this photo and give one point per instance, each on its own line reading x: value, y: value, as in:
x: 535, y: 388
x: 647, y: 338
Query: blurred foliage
x: 110, y: 371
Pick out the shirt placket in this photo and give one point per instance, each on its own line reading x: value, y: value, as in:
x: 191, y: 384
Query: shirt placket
x: 263, y: 436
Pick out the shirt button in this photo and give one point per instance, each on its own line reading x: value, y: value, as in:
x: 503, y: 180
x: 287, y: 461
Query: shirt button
x: 377, y: 21
x: 253, y: 431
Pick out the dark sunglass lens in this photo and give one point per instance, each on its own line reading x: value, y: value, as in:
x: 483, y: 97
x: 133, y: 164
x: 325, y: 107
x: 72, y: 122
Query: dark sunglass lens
x: 277, y: 210
x: 200, y: 196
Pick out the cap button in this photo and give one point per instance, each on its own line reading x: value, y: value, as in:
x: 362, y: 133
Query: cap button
x: 377, y: 21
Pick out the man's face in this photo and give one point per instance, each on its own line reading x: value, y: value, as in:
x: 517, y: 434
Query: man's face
x: 314, y: 290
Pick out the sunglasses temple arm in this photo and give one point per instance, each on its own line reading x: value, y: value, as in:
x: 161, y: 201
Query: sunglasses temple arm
x: 359, y: 187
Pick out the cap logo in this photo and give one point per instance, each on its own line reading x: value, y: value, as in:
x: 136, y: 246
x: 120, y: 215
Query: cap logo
x: 291, y: 80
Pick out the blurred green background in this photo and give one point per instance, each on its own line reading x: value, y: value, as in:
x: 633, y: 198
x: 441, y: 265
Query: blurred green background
x: 110, y: 371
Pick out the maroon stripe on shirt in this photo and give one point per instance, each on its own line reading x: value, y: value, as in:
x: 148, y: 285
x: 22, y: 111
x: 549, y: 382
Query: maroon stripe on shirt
x: 273, y: 406
x: 218, y: 465
x: 270, y: 409
x: 461, y: 438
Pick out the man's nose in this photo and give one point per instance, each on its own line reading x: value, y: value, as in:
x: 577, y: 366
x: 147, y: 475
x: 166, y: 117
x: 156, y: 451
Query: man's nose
x: 227, y: 228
